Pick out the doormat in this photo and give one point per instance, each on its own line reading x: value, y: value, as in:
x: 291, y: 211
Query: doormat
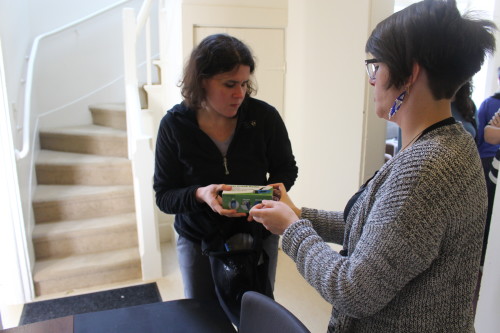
x: 98, y: 301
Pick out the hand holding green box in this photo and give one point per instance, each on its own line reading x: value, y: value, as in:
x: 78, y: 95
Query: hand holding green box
x: 244, y: 197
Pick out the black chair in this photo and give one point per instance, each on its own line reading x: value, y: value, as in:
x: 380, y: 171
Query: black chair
x: 261, y: 314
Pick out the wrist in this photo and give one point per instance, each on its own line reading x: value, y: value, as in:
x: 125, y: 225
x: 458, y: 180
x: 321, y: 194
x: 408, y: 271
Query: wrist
x: 297, y: 211
x: 198, y: 194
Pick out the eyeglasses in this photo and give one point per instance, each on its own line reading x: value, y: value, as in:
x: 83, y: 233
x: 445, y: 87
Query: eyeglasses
x: 372, y: 67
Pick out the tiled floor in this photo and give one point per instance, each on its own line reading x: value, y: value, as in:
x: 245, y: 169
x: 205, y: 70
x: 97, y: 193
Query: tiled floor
x: 291, y: 291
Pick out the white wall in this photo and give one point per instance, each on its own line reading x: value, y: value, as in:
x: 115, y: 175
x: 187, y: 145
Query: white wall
x: 325, y: 98
x: 230, y: 13
x: 374, y: 128
x: 494, y: 61
x: 488, y: 308
x: 42, y: 18
x: 13, y: 286
x: 15, y: 45
x: 13, y: 17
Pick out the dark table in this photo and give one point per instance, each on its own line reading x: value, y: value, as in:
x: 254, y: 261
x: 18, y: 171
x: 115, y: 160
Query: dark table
x: 184, y: 315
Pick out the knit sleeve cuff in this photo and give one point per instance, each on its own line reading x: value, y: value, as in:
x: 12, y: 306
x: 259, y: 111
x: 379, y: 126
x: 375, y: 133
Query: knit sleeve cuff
x: 294, y: 235
x: 308, y: 213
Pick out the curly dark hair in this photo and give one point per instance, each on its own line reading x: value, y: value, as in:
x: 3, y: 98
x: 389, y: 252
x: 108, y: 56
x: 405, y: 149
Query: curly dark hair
x: 432, y: 33
x: 464, y: 103
x: 216, y: 54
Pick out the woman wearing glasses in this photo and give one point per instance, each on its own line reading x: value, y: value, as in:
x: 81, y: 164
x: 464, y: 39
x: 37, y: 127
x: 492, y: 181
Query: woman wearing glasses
x: 412, y: 234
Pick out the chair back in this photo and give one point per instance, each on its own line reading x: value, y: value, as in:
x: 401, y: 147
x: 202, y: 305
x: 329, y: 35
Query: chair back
x: 262, y: 314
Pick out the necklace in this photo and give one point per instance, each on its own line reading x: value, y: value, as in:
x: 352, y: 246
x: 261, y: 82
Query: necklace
x: 413, y: 140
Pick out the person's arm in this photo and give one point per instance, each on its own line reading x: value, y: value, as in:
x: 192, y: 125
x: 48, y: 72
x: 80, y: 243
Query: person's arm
x: 482, y: 121
x: 282, y: 165
x: 277, y: 218
x: 492, y: 130
x: 329, y: 225
x: 395, y: 245
x: 172, y: 195
x: 492, y: 135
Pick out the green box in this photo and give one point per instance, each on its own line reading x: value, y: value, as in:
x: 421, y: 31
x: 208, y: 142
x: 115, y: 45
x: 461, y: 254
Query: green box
x: 244, y: 197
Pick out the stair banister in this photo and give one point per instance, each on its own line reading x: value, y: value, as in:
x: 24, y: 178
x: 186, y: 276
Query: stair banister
x: 139, y: 149
x: 26, y: 128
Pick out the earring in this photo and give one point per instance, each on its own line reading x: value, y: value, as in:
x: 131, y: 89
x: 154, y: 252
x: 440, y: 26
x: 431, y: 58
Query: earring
x: 397, y: 103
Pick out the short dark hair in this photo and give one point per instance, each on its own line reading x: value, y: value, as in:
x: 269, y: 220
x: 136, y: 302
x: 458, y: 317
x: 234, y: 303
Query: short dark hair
x: 433, y: 33
x: 216, y: 54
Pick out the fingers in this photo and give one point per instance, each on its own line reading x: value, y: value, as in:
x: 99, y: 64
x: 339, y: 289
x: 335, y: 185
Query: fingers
x: 257, y: 212
x: 276, y: 195
x: 231, y: 213
x: 224, y: 187
x: 495, y: 120
x: 276, y: 191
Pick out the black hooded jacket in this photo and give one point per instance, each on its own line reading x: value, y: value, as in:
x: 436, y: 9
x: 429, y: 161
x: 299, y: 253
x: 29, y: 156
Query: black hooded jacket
x: 260, y: 153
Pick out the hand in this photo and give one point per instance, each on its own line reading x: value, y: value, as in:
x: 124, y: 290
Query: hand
x: 210, y: 195
x: 495, y: 120
x: 281, y: 194
x: 276, y: 216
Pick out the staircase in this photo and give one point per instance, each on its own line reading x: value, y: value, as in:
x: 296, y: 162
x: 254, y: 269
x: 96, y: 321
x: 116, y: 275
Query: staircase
x: 85, y: 233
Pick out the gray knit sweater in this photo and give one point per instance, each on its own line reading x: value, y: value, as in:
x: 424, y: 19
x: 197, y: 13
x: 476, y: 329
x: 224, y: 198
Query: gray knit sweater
x: 413, y: 241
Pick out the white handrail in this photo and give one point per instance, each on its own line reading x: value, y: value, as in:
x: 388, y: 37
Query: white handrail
x: 20, y: 154
x: 143, y: 16
x: 139, y: 149
x: 133, y: 27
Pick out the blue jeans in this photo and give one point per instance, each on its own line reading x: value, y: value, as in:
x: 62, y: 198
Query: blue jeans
x: 196, y: 272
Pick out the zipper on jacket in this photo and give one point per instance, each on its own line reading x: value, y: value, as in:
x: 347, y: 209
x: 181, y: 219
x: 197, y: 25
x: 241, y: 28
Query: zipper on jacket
x: 225, y: 166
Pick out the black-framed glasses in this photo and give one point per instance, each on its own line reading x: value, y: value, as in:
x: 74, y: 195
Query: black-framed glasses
x: 372, y: 66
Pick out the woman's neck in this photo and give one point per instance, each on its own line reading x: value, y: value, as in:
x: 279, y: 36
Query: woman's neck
x: 421, y: 114
x: 214, y: 125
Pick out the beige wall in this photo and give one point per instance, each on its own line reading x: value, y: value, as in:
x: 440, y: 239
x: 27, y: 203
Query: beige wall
x: 325, y: 99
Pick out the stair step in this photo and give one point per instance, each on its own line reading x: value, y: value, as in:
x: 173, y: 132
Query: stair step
x: 62, y: 239
x: 109, y: 114
x: 56, y: 167
x: 86, y: 139
x: 52, y: 203
x: 82, y: 271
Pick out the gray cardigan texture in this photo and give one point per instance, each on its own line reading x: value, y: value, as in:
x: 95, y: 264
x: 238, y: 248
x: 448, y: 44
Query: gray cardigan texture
x: 413, y: 240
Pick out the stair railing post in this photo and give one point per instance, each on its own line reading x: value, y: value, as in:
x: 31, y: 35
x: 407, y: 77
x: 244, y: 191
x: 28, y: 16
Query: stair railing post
x: 139, y: 152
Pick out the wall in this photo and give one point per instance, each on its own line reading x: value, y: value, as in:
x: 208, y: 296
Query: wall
x: 325, y: 98
x: 12, y: 258
x: 28, y: 19
x: 13, y: 17
x: 488, y: 308
x: 15, y: 46
x: 230, y: 13
x: 374, y: 129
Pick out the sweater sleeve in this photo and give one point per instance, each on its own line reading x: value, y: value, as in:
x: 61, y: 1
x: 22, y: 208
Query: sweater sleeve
x: 403, y: 228
x: 328, y: 225
x: 172, y: 196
